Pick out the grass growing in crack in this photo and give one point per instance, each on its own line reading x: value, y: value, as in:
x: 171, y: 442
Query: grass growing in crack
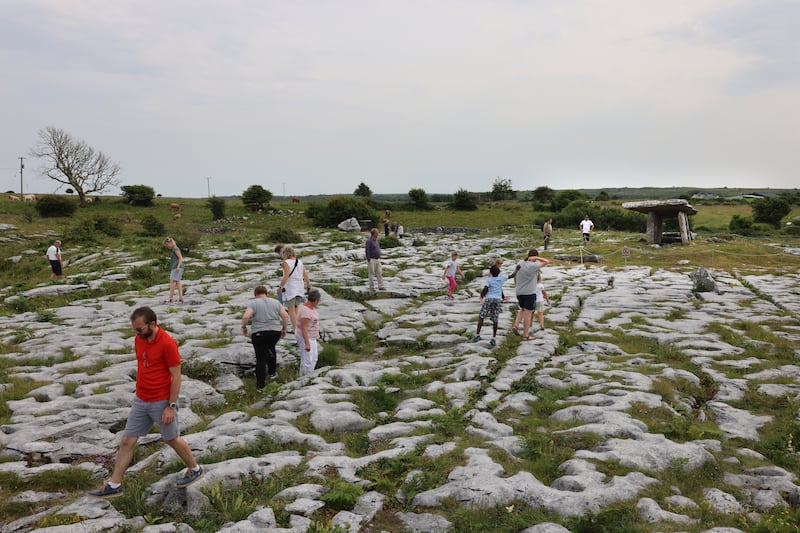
x: 500, y: 519
x: 370, y: 402
x: 677, y: 428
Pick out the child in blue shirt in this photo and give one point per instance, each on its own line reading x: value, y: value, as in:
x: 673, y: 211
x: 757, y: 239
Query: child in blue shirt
x: 491, y: 296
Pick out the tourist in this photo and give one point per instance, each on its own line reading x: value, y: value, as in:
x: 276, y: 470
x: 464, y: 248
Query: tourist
x: 295, y: 277
x: 158, y: 384
x: 547, y: 230
x: 53, y: 255
x: 586, y: 226
x: 400, y: 230
x: 491, y: 297
x: 308, y: 333
x: 451, y: 268
x: 175, y: 269
x: 372, y: 249
x: 269, y: 325
x: 525, y: 276
x: 386, y: 227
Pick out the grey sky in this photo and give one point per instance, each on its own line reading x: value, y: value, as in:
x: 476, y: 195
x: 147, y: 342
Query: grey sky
x: 322, y: 95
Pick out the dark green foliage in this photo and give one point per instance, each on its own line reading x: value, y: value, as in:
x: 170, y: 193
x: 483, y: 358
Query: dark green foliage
x: 363, y: 190
x: 151, y: 226
x: 390, y: 242
x: 793, y: 230
x: 611, y: 218
x: 107, y: 226
x: 741, y: 225
x: 542, y: 197
x: 141, y: 195
x: 342, y: 495
x: 602, y: 196
x: 338, y: 209
x: 370, y: 402
x: 56, y: 206
x: 419, y: 199
x: 255, y: 195
x: 328, y: 356
x: 283, y: 235
x: 502, y: 190
x: 463, y: 200
x: 83, y: 232
x: 187, y: 239
x: 565, y: 198
x: 203, y: 370
x: 771, y: 210
x: 616, y: 518
x: 217, y: 207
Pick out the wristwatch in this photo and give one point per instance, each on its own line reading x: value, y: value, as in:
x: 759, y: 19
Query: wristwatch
x: 173, y: 405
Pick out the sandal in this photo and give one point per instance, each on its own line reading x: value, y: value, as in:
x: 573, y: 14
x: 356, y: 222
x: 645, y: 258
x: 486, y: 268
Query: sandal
x: 515, y: 331
x: 167, y: 301
x: 527, y: 338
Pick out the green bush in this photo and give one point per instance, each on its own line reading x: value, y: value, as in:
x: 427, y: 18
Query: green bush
x: 109, y: 227
x: 463, y: 200
x: 771, y: 210
x: 256, y: 195
x: 83, y: 232
x: 741, y: 224
x: 329, y: 356
x: 151, y: 226
x: 391, y: 242
x: 342, y: 495
x: 283, y: 235
x: 338, y: 209
x: 217, y: 207
x: 56, y: 206
x: 418, y: 242
x: 187, y: 239
x: 138, y: 194
x: 419, y: 199
x: 793, y: 230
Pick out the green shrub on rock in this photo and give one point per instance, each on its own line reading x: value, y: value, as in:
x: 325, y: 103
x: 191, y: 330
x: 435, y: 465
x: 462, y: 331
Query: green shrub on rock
x: 56, y: 206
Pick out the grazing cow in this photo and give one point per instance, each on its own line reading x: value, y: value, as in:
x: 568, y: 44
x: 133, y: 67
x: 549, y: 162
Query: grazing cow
x: 13, y: 197
x: 295, y: 200
x: 29, y: 198
x: 176, y: 207
x: 176, y: 216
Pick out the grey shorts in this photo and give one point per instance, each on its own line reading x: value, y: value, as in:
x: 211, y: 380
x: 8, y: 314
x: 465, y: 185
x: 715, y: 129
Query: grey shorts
x: 540, y: 305
x: 297, y: 301
x: 491, y: 307
x: 144, y: 414
x: 176, y: 275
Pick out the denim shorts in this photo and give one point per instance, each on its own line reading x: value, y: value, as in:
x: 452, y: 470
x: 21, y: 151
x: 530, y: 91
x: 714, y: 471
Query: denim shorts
x: 176, y: 275
x: 144, y: 414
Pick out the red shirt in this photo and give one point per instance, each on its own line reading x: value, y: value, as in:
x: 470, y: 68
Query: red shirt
x: 154, y: 359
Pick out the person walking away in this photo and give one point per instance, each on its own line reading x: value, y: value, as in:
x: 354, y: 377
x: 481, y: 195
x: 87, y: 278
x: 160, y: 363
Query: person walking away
x: 372, y: 249
x: 491, y: 298
x: 269, y: 326
x: 386, y: 227
x: 541, y: 297
x: 547, y: 230
x: 295, y: 276
x: 175, y: 270
x: 526, y: 275
x: 308, y: 327
x: 53, y: 255
x: 451, y: 268
x: 400, y: 231
x: 158, y: 384
x: 587, y: 226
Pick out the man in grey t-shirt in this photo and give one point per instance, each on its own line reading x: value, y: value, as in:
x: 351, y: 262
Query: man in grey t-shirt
x: 526, y: 275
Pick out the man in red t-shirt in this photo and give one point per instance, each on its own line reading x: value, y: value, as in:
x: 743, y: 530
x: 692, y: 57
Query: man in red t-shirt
x: 158, y: 383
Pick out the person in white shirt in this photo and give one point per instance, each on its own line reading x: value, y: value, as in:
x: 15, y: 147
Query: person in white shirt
x: 587, y: 226
x: 53, y: 255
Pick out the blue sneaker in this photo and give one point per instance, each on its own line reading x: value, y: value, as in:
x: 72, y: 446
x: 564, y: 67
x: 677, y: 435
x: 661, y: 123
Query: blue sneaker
x: 493, y: 342
x: 189, y: 477
x: 106, y: 492
x: 476, y: 338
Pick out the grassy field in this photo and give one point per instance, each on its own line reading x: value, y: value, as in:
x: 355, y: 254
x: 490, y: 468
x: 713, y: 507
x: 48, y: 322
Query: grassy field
x: 196, y: 230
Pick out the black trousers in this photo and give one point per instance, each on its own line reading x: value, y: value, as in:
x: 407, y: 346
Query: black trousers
x: 264, y: 343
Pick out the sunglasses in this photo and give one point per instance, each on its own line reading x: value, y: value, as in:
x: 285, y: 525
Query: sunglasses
x: 141, y: 329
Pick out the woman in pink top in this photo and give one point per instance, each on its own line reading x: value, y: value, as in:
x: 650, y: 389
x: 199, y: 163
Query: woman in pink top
x: 307, y: 332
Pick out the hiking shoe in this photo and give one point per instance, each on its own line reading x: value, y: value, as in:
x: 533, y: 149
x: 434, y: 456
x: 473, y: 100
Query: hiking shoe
x: 493, y: 342
x: 273, y: 376
x: 106, y: 492
x: 476, y: 338
x: 189, y: 477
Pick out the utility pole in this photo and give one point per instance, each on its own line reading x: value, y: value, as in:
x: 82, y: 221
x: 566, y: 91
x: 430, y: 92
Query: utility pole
x: 208, y: 184
x: 21, y: 166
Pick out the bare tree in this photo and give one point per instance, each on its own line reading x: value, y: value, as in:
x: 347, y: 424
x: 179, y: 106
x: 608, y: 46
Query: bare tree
x: 72, y: 162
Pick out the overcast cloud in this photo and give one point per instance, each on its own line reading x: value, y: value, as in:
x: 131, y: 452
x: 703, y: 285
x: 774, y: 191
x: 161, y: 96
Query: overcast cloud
x: 314, y: 97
